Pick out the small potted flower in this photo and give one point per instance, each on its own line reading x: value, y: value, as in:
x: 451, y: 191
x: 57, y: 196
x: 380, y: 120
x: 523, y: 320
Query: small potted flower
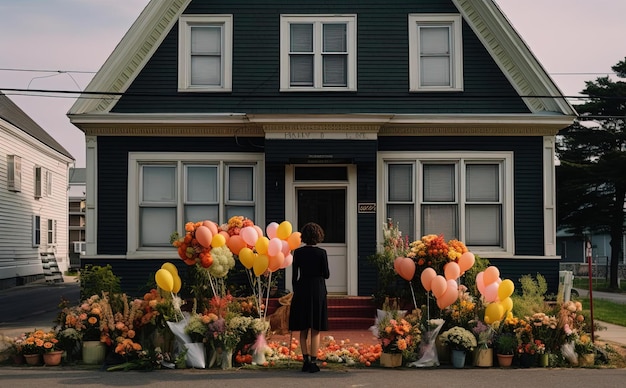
x: 52, y: 352
x: 585, y: 350
x: 505, y: 345
x: 32, y: 347
x: 460, y: 341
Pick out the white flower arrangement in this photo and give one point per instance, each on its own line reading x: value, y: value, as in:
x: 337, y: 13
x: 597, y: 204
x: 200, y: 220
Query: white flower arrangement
x: 459, y: 338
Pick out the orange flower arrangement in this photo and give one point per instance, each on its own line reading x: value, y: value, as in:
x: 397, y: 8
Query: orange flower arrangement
x: 433, y: 251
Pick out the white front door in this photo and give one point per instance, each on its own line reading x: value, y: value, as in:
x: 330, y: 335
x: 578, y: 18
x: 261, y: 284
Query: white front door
x: 327, y: 203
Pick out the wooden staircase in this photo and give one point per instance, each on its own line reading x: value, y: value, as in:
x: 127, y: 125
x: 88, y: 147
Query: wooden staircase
x: 344, y: 312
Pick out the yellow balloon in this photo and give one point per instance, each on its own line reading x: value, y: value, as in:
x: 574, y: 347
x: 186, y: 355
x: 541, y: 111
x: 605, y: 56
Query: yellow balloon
x: 260, y: 264
x: 246, y: 256
x: 178, y: 283
x: 164, y: 280
x: 284, y: 230
x: 507, y: 304
x: 171, y: 268
x: 493, y: 312
x: 261, y: 245
x: 218, y: 241
x: 505, y: 289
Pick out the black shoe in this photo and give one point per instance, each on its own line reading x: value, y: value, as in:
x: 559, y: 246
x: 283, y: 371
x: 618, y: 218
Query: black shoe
x: 313, y: 368
x: 306, y: 366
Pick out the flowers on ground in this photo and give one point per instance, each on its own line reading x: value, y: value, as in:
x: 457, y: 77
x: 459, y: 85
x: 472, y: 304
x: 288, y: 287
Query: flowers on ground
x: 459, y: 338
x: 38, y: 342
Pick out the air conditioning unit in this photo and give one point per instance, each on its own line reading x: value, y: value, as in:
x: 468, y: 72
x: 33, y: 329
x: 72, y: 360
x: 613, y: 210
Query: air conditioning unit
x: 80, y: 247
x: 14, y: 176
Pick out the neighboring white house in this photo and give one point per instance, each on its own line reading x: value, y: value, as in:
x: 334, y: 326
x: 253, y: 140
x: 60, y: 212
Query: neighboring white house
x: 33, y: 198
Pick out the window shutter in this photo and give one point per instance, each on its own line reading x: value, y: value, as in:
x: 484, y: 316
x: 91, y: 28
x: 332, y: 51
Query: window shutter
x: 14, y: 173
x: 38, y: 183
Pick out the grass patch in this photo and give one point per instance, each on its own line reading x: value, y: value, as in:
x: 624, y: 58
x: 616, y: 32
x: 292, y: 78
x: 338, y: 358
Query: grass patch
x: 607, y: 311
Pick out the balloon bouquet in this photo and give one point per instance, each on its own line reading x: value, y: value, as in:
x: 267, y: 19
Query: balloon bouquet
x: 168, y: 280
x: 496, y: 292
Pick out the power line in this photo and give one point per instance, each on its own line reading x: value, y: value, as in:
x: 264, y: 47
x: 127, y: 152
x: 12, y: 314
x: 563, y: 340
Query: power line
x: 48, y: 71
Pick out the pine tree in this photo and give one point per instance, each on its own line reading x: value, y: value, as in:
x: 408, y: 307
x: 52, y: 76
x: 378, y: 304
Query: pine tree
x: 591, y: 178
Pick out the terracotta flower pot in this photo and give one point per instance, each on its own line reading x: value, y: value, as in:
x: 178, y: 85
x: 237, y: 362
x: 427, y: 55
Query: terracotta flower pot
x: 53, y: 358
x: 505, y: 360
x: 33, y: 359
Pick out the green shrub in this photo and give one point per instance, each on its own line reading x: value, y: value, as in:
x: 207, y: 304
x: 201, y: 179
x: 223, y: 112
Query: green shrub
x: 532, y: 297
x: 95, y: 279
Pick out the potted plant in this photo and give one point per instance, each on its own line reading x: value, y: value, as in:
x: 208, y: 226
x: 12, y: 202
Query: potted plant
x: 460, y: 341
x: 505, y: 345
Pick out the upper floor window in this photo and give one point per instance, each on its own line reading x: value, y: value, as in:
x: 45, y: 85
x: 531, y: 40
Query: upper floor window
x: 173, y: 189
x: 461, y: 196
x: 435, y: 52
x: 205, y: 53
x: 318, y: 52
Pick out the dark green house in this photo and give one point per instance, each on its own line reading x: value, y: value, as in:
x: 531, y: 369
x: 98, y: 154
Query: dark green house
x: 434, y: 113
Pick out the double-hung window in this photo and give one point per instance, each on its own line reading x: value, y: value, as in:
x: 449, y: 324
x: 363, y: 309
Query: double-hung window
x: 318, y: 52
x: 463, y: 197
x: 173, y: 189
x: 205, y: 53
x: 435, y: 52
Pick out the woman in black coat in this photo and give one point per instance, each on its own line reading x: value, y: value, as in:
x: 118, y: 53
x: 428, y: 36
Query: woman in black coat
x: 309, y: 307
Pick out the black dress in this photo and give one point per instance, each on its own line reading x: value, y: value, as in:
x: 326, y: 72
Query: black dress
x: 309, y: 307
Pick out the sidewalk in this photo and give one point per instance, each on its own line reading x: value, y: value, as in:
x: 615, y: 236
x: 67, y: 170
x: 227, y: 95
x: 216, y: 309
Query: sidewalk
x: 613, y: 333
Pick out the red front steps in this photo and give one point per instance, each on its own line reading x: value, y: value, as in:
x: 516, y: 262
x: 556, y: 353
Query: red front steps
x: 344, y: 312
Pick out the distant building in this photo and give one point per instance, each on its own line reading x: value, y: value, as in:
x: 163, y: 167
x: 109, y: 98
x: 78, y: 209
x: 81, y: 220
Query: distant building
x: 33, y: 199
x: 76, y: 220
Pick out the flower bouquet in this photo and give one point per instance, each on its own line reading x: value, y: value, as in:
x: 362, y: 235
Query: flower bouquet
x: 459, y: 338
x: 433, y: 251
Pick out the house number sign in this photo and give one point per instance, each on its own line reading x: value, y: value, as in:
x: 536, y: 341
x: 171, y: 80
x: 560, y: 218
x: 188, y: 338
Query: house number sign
x: 367, y: 207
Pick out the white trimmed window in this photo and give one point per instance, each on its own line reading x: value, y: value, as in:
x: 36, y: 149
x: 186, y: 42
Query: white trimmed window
x: 205, y: 53
x: 49, y: 183
x: 318, y: 52
x: 173, y: 189
x: 462, y: 196
x: 435, y: 52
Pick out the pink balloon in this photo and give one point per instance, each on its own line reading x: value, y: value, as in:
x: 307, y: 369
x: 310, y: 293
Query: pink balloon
x: 259, y: 231
x: 452, y: 271
x: 406, y: 267
x: 427, y: 278
x: 274, y: 247
x: 439, y: 286
x: 466, y: 261
x: 249, y: 235
x: 285, y: 249
x: 271, y: 229
x: 491, y: 275
x: 276, y: 261
x: 491, y: 292
x: 204, y: 236
x: 480, y: 283
x: 288, y: 261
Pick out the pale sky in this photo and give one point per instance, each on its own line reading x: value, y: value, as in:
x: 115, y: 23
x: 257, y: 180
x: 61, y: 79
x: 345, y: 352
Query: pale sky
x: 574, y: 40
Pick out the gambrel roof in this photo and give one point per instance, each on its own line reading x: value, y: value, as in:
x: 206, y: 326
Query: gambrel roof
x: 506, y: 47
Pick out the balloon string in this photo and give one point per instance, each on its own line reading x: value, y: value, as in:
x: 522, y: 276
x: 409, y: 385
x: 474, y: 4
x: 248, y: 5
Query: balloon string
x: 428, y: 306
x: 413, y: 293
x: 267, y: 299
x: 211, y: 283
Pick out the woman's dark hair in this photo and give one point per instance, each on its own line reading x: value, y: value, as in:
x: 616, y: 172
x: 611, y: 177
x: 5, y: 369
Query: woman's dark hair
x: 312, y: 233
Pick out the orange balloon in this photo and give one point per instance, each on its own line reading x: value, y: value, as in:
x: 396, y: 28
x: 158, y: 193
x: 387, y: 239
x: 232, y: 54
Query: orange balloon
x: 439, y: 286
x: 405, y: 268
x: 449, y: 296
x: 294, y: 240
x: 211, y: 225
x: 452, y: 270
x: 427, y: 277
x: 466, y: 261
x: 204, y: 236
x: 276, y: 261
x: 235, y: 244
x: 491, y: 275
